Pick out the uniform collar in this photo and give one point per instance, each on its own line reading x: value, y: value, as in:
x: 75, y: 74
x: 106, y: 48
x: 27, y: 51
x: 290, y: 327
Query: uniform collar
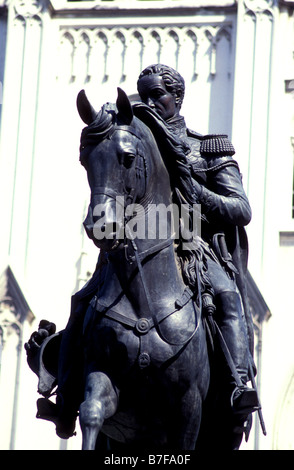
x: 177, y: 124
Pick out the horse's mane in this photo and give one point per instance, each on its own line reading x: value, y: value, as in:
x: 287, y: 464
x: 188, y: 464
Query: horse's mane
x: 192, y: 254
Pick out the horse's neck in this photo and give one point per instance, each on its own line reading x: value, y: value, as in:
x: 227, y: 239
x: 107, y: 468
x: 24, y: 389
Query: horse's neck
x: 160, y: 276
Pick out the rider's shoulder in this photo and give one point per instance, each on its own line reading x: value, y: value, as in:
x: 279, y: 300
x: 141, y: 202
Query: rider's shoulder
x: 194, y: 139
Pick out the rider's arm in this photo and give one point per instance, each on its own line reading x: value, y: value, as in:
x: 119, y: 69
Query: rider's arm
x: 223, y: 198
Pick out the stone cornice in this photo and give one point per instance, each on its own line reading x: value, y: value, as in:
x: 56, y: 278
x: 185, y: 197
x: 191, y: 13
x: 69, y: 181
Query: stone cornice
x: 99, y: 8
x: 287, y: 3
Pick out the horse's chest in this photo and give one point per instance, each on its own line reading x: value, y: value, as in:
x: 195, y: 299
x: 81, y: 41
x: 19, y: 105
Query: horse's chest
x: 122, y: 346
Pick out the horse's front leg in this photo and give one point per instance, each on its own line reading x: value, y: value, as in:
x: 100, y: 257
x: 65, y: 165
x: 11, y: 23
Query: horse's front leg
x: 100, y: 403
x: 189, y: 424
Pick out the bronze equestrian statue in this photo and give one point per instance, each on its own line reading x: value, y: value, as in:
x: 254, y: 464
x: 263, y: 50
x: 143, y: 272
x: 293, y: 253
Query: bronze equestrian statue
x: 158, y: 349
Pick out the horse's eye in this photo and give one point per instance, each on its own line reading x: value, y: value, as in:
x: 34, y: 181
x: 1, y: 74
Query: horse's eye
x: 128, y: 159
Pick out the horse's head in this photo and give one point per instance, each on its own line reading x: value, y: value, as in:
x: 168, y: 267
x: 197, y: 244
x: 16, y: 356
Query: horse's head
x: 116, y: 150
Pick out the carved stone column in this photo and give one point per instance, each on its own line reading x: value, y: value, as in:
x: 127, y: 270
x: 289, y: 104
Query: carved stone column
x: 19, y: 121
x: 252, y: 107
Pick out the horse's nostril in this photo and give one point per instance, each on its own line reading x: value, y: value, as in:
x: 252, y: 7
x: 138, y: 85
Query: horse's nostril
x: 109, y: 230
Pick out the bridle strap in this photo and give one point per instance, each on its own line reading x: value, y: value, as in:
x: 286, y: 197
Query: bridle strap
x: 150, y: 251
x: 126, y: 128
x: 100, y: 190
x: 149, y: 303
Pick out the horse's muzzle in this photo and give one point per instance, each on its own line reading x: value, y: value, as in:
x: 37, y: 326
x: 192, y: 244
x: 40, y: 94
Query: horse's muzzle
x: 104, y: 230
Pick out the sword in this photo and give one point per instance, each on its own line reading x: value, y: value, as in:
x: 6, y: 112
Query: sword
x: 260, y: 416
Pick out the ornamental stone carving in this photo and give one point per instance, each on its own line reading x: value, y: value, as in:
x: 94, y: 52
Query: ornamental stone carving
x: 9, y: 321
x: 95, y: 45
x: 27, y: 8
x: 14, y: 310
x: 258, y: 6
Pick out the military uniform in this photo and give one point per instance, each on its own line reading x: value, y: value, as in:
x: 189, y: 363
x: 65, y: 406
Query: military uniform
x: 217, y: 186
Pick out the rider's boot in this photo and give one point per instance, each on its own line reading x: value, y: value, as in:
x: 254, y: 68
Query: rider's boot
x: 244, y: 400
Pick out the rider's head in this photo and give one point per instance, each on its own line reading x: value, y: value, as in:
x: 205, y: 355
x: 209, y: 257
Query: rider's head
x: 162, y: 88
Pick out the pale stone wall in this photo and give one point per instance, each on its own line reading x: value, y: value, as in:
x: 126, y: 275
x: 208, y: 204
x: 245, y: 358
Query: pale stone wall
x: 235, y: 58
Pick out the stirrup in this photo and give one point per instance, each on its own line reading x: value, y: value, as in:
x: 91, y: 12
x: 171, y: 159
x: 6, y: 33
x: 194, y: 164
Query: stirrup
x: 47, y: 410
x: 244, y: 401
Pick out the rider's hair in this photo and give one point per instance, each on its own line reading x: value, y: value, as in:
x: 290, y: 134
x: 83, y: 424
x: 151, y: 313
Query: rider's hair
x: 174, y: 82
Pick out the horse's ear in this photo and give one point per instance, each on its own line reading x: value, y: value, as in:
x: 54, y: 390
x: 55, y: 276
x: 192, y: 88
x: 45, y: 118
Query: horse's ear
x: 124, y: 107
x: 86, y: 111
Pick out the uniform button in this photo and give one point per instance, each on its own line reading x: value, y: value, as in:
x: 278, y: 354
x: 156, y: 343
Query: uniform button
x: 143, y: 326
x: 144, y: 360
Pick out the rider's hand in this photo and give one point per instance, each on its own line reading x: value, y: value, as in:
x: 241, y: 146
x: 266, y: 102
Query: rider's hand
x: 45, y: 329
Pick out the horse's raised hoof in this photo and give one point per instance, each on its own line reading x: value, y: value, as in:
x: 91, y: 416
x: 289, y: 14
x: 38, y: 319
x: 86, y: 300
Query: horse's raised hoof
x: 65, y: 425
x: 66, y: 429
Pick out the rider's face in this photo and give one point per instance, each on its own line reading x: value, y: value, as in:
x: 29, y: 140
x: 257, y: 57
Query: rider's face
x: 153, y: 92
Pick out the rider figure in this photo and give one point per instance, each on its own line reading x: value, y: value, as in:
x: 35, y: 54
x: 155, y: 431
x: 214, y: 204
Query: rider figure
x: 218, y: 188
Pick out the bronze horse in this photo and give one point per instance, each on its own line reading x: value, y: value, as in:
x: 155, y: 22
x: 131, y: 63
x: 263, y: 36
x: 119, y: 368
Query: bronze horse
x: 146, y: 361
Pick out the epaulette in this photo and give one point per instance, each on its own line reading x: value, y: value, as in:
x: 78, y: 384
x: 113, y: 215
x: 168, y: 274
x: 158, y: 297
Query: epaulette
x: 216, y: 145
